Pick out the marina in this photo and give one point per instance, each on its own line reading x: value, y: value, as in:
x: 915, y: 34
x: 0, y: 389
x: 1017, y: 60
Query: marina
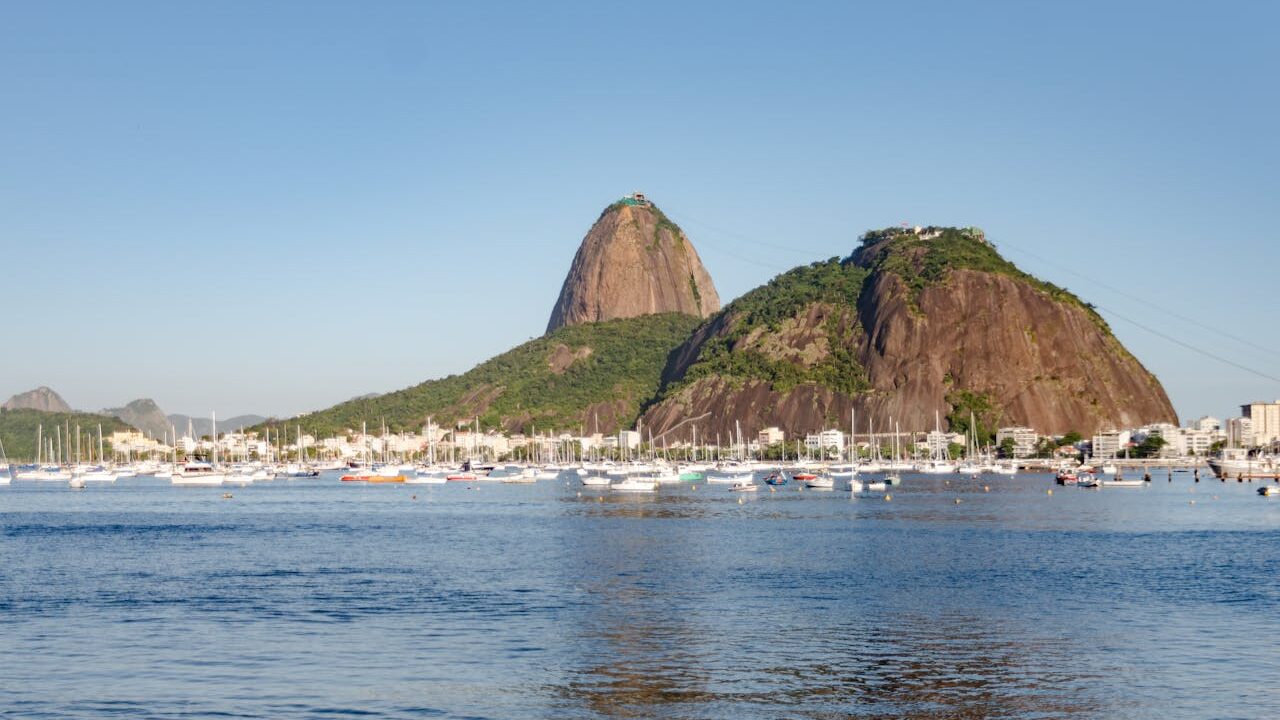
x: 312, y: 596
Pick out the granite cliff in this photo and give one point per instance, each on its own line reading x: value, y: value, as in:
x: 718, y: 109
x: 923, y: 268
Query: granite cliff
x: 634, y: 261
x: 912, y: 323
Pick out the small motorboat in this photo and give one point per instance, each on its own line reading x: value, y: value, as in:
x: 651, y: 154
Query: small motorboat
x: 856, y: 485
x: 775, y: 479
x: 635, y: 485
x: 893, y: 479
x: 877, y: 486
x: 744, y: 487
x: 821, y: 482
x: 595, y: 481
x: 1118, y: 482
x: 1066, y: 477
x: 803, y: 477
x: 729, y: 479
x: 461, y: 477
x: 1268, y: 490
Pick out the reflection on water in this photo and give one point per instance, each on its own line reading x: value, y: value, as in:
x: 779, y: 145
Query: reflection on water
x: 316, y: 599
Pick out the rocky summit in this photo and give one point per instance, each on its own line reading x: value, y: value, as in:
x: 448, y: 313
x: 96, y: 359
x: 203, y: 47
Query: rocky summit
x: 915, y: 322
x: 634, y: 261
x: 42, y: 398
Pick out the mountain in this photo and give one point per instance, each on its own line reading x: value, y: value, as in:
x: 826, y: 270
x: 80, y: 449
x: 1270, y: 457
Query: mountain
x: 579, y: 376
x: 144, y: 415
x: 204, y: 426
x: 634, y: 261
x: 18, y: 429
x: 42, y: 399
x: 912, y: 323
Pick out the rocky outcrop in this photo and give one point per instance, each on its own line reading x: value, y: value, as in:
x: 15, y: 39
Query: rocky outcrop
x: 970, y: 335
x: 143, y: 414
x: 42, y: 398
x: 634, y: 261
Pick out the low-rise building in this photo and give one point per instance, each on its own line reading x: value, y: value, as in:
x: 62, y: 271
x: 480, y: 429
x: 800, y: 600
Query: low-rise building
x: 1024, y: 440
x: 771, y: 436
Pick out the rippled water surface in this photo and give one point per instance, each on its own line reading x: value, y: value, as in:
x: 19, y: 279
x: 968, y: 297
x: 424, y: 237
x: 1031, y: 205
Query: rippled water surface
x: 319, y: 599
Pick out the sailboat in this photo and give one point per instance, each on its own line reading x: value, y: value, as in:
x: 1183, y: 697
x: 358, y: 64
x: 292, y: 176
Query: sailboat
x: 940, y: 464
x: 197, y: 473
x: 6, y: 475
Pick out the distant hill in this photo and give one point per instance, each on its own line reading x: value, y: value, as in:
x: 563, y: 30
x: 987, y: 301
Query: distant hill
x: 42, y: 399
x: 18, y: 430
x: 204, y: 425
x: 575, y: 376
x: 143, y: 414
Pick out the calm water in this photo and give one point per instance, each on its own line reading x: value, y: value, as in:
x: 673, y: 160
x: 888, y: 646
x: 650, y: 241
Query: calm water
x: 316, y: 599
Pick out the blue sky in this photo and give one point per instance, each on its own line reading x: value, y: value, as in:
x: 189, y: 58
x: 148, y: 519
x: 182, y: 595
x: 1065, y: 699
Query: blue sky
x: 271, y: 207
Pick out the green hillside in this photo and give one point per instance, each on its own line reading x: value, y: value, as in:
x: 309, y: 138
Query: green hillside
x: 18, y: 429
x: 561, y: 380
x: 731, y: 354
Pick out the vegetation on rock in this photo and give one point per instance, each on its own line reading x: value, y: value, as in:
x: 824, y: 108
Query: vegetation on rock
x: 18, y: 430
x: 523, y: 387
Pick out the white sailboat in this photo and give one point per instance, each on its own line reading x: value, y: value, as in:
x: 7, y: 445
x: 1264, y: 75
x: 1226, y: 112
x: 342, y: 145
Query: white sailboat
x: 6, y: 475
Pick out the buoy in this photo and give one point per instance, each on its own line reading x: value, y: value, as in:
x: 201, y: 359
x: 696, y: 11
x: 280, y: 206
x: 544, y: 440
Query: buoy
x: 1049, y: 491
x: 413, y: 497
x: 986, y: 488
x: 739, y: 500
x: 773, y: 489
x: 226, y: 496
x: 957, y: 501
x: 599, y: 498
x: 887, y: 498
x: 579, y: 493
x: 1193, y: 502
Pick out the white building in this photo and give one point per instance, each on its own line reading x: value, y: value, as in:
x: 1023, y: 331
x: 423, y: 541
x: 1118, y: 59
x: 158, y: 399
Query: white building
x: 1265, y: 419
x: 1240, y: 432
x: 630, y: 439
x: 825, y: 440
x: 1024, y: 440
x: 940, y: 442
x: 1208, y: 423
x: 771, y: 436
x: 1108, y: 445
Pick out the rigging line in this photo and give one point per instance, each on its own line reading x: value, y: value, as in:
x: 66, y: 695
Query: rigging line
x: 1144, y: 301
x: 738, y: 256
x: 1189, y: 346
x: 744, y: 238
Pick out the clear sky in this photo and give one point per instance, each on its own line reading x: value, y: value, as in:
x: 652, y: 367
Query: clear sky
x: 270, y: 207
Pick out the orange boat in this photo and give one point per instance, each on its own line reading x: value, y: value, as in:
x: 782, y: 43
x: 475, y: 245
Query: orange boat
x: 372, y: 477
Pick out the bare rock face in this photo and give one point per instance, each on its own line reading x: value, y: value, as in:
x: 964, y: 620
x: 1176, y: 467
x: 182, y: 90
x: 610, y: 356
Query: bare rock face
x: 634, y: 261
x: 905, y: 335
x: 42, y: 398
x: 143, y: 414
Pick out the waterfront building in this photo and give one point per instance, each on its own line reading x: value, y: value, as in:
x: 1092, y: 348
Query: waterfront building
x: 1265, y: 421
x: 1024, y: 440
x: 825, y: 440
x: 1240, y: 432
x: 771, y: 436
x: 1109, y: 445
